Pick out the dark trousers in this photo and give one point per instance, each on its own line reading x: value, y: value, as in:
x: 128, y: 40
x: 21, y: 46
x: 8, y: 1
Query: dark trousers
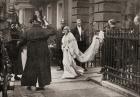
x: 13, y: 53
x: 60, y: 58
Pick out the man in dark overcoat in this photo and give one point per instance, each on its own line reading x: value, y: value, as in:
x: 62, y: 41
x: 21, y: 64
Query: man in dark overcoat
x: 80, y: 34
x: 37, y: 67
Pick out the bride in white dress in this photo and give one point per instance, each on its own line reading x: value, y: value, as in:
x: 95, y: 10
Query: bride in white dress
x: 71, y: 52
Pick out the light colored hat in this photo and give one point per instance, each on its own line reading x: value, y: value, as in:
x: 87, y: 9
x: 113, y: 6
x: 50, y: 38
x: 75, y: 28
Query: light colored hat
x: 137, y: 20
x: 112, y: 22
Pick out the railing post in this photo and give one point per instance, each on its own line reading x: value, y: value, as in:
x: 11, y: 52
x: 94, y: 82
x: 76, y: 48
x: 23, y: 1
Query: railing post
x: 138, y: 65
x: 121, y: 56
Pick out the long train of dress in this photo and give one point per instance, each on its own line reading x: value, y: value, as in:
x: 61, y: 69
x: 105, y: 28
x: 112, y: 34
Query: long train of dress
x: 90, y: 53
x: 71, y: 52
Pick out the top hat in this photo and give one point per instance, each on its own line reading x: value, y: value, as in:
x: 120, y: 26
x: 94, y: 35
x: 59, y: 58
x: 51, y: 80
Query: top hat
x: 137, y: 19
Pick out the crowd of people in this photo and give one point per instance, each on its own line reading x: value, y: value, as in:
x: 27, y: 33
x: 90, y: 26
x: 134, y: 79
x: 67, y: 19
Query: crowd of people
x: 71, y: 45
x: 34, y: 52
x: 72, y: 51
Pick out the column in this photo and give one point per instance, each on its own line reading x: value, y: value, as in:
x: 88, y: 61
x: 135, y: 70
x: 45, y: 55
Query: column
x: 70, y: 12
x: 66, y: 11
x: 60, y: 12
x: 54, y: 14
x: 21, y: 16
x: 49, y: 13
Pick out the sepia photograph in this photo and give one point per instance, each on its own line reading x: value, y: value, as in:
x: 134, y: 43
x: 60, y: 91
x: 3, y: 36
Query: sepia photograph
x: 69, y: 48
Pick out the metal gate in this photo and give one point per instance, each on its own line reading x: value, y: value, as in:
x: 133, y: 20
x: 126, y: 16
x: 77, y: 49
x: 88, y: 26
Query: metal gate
x: 121, y: 59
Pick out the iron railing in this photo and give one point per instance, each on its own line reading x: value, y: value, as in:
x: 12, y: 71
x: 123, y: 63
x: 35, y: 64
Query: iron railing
x: 121, y: 58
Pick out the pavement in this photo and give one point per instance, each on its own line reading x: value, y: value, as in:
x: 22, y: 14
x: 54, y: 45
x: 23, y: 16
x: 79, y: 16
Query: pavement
x: 69, y: 89
x: 97, y: 78
x: 88, y: 85
x: 79, y: 87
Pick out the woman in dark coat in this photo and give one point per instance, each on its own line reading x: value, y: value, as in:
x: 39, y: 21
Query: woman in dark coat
x: 38, y: 64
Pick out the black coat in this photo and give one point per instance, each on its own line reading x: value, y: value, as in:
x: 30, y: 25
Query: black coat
x: 82, y: 43
x: 59, y: 36
x: 38, y: 61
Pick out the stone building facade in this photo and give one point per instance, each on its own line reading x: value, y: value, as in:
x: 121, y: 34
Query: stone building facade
x: 99, y: 11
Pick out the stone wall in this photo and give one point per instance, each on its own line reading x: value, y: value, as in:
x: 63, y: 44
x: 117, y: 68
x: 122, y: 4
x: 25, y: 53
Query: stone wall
x: 103, y: 10
x: 80, y: 9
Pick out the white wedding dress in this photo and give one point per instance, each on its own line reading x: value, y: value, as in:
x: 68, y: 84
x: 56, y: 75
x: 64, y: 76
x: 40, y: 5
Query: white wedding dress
x: 71, y: 52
